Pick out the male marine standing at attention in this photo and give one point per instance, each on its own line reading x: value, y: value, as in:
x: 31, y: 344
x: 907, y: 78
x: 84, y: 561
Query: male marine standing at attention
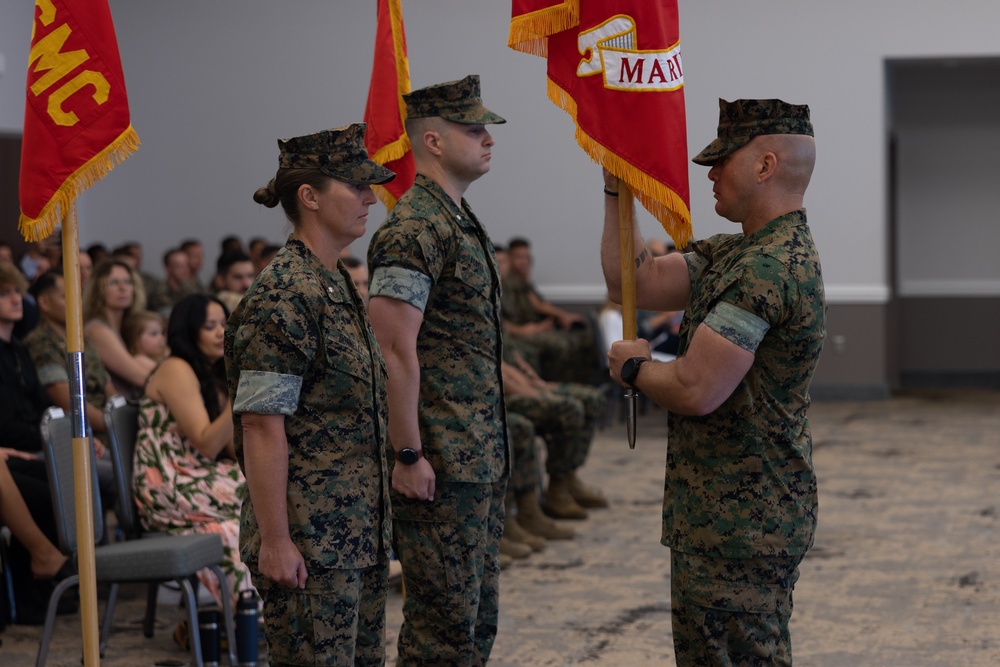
x: 739, y: 509
x: 435, y: 308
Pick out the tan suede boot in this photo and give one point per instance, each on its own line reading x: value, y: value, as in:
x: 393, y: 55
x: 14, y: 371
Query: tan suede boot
x: 559, y: 502
x: 513, y: 531
x: 531, y: 518
x: 514, y: 549
x: 505, y: 561
x: 586, y: 495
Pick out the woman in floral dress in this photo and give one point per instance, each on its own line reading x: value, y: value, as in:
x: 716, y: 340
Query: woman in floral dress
x: 186, y: 477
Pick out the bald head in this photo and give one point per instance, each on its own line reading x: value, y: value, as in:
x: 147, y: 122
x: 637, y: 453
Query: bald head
x: 796, y: 157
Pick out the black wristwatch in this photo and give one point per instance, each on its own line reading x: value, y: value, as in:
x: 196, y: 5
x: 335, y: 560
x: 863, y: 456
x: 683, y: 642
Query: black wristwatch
x: 630, y: 370
x: 408, y: 456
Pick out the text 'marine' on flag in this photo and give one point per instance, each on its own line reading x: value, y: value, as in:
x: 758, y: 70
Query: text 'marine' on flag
x: 616, y: 69
x: 385, y: 112
x: 76, y: 117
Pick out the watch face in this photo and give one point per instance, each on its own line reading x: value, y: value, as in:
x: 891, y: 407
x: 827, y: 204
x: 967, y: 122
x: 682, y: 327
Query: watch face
x: 630, y: 369
x: 408, y: 456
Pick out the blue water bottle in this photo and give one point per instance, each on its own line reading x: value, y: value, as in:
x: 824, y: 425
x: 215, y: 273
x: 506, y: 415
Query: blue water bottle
x: 246, y: 629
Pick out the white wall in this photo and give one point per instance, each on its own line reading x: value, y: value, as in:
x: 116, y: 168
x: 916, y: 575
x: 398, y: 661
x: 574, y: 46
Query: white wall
x: 213, y: 84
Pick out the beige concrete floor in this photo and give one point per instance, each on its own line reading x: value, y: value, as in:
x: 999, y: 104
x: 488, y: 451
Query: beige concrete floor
x: 905, y: 571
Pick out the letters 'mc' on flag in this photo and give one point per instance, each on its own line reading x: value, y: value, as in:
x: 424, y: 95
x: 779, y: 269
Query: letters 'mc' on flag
x: 616, y: 69
x: 76, y: 118
x: 385, y: 112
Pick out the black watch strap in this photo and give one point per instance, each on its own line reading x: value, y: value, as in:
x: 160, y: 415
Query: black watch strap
x: 630, y: 370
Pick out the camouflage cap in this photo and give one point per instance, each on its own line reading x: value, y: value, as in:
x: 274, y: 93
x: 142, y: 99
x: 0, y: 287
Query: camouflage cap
x: 742, y: 120
x: 457, y: 101
x: 339, y: 153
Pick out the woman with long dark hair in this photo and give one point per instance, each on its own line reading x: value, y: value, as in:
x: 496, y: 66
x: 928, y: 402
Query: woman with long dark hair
x: 185, y: 475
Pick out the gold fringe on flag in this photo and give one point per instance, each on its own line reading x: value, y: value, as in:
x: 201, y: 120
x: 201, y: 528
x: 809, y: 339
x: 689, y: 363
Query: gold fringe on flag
x: 36, y: 229
x: 662, y: 202
x: 529, y: 32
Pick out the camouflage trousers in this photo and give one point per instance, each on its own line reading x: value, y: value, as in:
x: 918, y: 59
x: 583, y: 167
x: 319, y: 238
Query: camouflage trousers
x: 565, y: 417
x: 561, y: 356
x: 337, y: 620
x: 449, y: 550
x: 732, y: 612
x: 525, y: 474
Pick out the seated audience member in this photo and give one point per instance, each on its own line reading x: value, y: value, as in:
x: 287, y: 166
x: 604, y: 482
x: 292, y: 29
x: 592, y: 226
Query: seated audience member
x: 132, y: 254
x: 527, y: 523
x: 254, y: 248
x: 528, y: 304
x: 359, y: 274
x: 176, y: 284
x: 195, y: 252
x: 566, y: 416
x: 47, y: 562
x: 6, y: 253
x: 98, y: 252
x: 231, y: 243
x: 35, y: 259
x: 47, y: 346
x: 86, y: 269
x: 234, y: 276
x: 185, y: 476
x: 516, y: 542
x: 22, y: 402
x: 113, y: 296
x: 554, y: 340
x: 146, y: 336
x: 22, y: 397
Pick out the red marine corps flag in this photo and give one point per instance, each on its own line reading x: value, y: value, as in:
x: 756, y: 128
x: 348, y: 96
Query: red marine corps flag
x: 616, y: 68
x: 76, y: 128
x: 76, y: 119
x: 385, y: 111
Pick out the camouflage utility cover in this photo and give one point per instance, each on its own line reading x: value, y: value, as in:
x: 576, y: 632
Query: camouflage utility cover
x: 742, y: 120
x: 457, y: 101
x: 300, y: 345
x: 438, y: 258
x: 339, y: 153
x: 740, y: 481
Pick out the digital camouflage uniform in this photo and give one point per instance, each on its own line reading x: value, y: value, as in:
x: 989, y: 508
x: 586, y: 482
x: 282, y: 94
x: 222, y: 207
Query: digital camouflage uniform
x: 565, y: 416
x: 300, y: 345
x: 740, y: 504
x: 524, y: 469
x: 559, y: 355
x: 438, y: 258
x: 47, y: 348
x: 740, y: 501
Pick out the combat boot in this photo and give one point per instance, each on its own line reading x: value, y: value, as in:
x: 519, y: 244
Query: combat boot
x: 531, y: 518
x: 586, y: 495
x: 513, y: 530
x: 559, y: 502
x: 505, y: 561
x: 514, y: 549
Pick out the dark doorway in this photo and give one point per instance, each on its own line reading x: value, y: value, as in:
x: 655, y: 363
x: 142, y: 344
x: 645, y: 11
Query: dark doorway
x: 944, y: 209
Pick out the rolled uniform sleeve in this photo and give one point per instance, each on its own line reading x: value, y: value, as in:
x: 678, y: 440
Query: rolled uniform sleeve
x: 737, y: 325
x: 275, y: 358
x: 396, y: 282
x: 267, y: 393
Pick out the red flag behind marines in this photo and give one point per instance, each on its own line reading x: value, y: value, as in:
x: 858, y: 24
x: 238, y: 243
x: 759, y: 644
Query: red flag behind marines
x: 76, y: 118
x: 385, y: 111
x: 616, y: 68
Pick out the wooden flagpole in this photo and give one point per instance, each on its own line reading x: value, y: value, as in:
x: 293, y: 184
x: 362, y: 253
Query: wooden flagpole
x: 83, y: 491
x: 626, y: 239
